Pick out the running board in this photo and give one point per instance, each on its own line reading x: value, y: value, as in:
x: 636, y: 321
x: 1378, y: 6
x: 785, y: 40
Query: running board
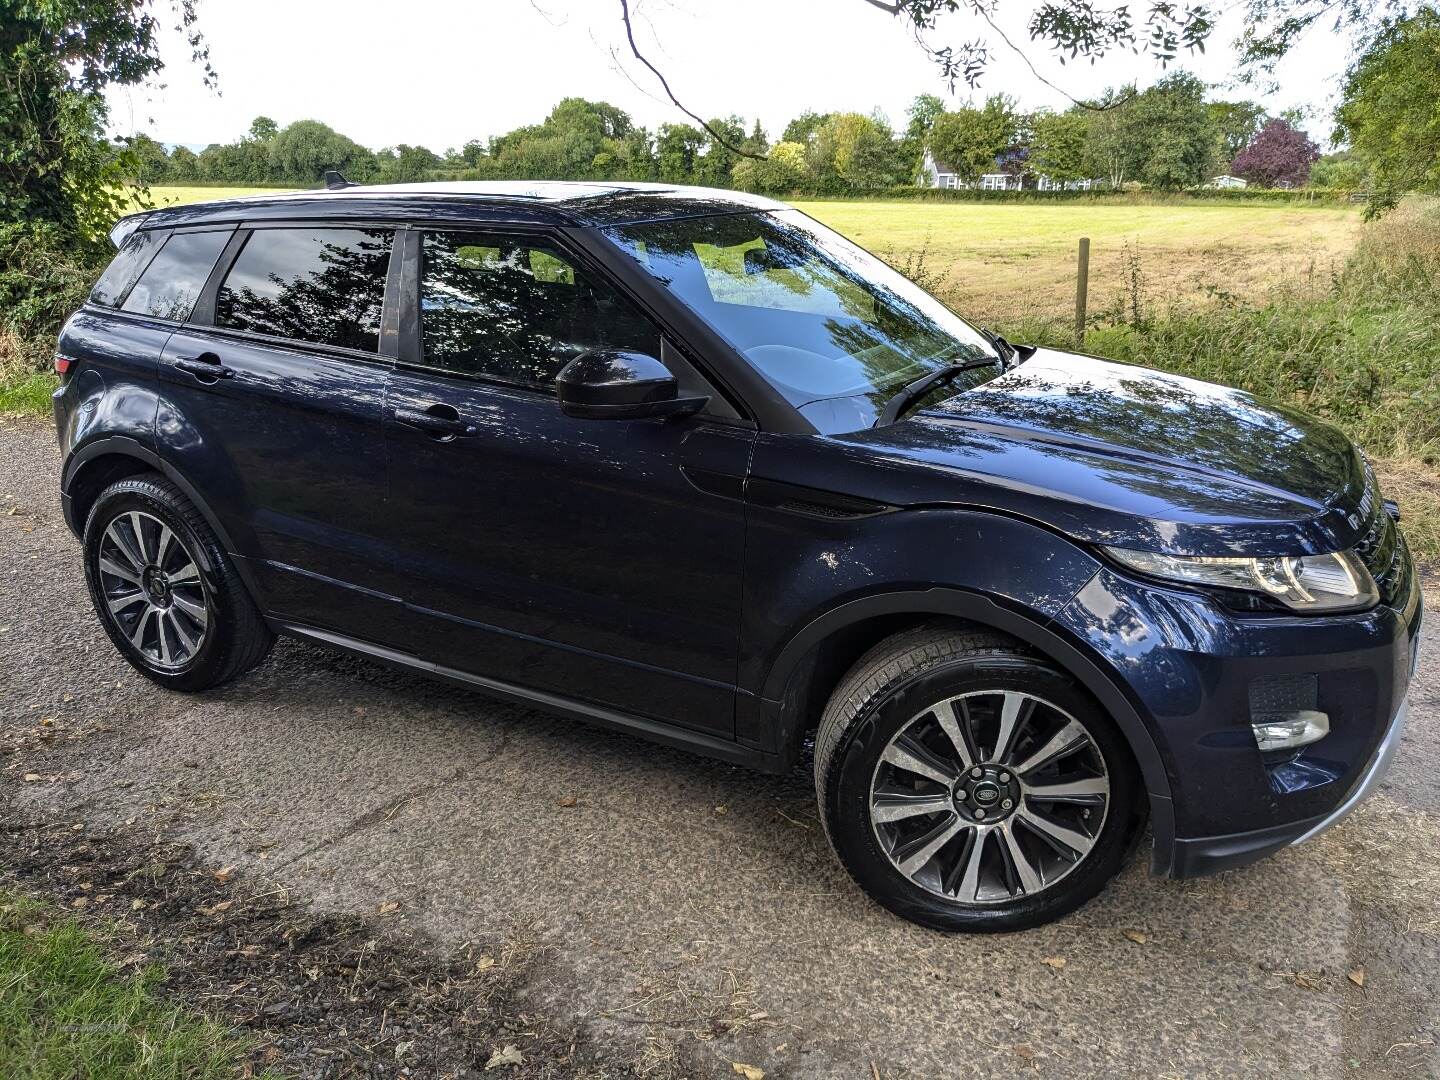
x: 653, y: 730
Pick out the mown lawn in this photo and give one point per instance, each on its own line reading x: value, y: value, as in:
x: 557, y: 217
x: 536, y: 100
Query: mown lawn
x: 68, y: 1011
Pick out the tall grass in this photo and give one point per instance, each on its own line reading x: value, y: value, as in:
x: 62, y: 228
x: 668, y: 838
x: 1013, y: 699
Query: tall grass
x: 1358, y: 348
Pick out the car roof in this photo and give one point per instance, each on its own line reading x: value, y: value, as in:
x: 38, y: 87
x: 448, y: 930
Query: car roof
x: 581, y: 203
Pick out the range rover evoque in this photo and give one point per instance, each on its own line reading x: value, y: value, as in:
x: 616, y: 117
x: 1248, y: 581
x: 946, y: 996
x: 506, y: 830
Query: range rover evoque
x: 689, y: 465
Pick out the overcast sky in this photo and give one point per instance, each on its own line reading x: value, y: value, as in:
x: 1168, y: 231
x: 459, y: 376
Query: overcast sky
x: 441, y: 72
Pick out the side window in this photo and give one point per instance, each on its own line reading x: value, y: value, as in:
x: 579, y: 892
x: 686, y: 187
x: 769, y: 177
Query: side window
x: 134, y: 255
x: 172, y: 282
x: 321, y: 285
x: 517, y: 310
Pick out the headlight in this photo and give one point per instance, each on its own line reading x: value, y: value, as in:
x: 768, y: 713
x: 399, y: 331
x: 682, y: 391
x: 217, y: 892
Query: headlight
x: 1309, y: 583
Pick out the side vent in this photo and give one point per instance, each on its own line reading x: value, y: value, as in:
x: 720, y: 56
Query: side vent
x: 811, y: 502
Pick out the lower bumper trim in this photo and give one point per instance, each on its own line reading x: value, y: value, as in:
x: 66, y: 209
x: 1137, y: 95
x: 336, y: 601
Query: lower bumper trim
x: 1195, y: 857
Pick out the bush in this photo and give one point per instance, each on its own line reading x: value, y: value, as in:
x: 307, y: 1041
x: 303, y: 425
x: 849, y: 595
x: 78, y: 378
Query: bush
x: 42, y: 280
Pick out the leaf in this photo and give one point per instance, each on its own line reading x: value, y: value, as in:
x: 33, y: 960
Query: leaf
x: 389, y: 907
x: 750, y: 1072
x: 485, y: 963
x: 1024, y: 1051
x: 1137, y: 936
x: 509, y: 1054
x: 1357, y: 977
x: 1055, y: 962
x: 567, y: 801
x: 1307, y: 980
x: 225, y: 873
x: 32, y: 777
x: 216, y: 909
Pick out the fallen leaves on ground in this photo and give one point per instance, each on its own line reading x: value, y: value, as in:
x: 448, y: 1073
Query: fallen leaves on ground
x: 389, y: 907
x: 1357, y: 976
x: 1056, y: 963
x: 567, y: 801
x: 509, y: 1054
x: 1139, y: 937
x: 224, y: 874
x: 750, y: 1072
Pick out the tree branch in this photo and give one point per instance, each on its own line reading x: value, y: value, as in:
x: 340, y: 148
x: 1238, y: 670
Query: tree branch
x: 630, y: 36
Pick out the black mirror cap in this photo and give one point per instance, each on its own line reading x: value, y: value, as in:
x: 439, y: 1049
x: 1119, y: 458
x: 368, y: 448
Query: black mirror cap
x: 612, y: 384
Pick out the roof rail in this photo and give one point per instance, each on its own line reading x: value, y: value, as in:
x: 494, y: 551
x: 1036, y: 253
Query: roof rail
x: 334, y: 181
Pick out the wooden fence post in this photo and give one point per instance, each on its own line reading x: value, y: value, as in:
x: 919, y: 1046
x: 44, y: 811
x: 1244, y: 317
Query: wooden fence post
x: 1082, y: 287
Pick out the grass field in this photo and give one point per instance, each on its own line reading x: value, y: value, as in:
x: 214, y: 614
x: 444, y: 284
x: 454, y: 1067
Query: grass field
x: 1009, y: 262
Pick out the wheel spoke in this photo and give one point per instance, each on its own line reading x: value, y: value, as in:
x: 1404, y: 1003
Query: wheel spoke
x: 914, y: 858
x: 137, y: 636
x: 1024, y: 869
x: 162, y: 546
x: 1086, y: 790
x: 1010, y: 714
x: 905, y: 753
x: 1076, y: 842
x: 120, y: 603
x: 888, y: 807
x: 126, y: 547
x: 955, y: 723
x: 114, y: 569
x: 137, y: 523
x: 190, y: 607
x: 968, y: 868
x: 1068, y: 738
x: 183, y: 636
x: 186, y: 575
x: 163, y: 642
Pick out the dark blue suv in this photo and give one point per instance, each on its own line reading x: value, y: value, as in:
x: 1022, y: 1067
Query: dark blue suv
x: 689, y: 465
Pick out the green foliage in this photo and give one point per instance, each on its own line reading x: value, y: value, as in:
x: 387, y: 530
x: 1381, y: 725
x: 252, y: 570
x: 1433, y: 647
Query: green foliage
x: 300, y: 152
x: 1172, y: 133
x: 1057, y: 145
x: 1390, y: 108
x: 855, y: 150
x: 1340, y: 172
x: 971, y: 140
x: 66, y: 1011
x: 1235, y: 125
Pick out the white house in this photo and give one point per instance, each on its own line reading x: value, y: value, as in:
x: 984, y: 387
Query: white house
x: 938, y: 174
x: 1226, y: 182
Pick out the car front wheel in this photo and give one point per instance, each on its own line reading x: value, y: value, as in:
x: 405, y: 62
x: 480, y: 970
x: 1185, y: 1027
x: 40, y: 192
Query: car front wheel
x: 968, y: 785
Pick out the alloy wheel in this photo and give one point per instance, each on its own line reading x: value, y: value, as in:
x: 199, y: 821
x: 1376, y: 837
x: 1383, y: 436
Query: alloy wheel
x: 989, y: 797
x: 152, y: 589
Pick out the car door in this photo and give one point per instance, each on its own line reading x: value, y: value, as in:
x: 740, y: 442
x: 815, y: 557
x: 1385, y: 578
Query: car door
x: 273, y: 397
x: 597, y: 560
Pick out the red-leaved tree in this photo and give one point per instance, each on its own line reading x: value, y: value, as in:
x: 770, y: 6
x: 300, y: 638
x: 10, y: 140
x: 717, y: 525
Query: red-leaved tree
x: 1279, y: 154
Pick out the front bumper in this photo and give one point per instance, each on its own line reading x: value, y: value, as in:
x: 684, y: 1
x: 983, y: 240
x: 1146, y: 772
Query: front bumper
x: 1211, y: 854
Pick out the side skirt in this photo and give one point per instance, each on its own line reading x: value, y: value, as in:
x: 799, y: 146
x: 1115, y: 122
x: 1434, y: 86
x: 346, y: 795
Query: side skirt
x: 653, y: 730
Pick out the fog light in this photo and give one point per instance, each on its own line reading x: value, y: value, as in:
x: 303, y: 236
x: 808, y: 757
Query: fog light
x: 1290, y: 731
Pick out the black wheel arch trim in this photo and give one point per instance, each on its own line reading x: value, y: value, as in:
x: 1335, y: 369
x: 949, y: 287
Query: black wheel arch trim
x: 125, y: 446
x: 787, y: 728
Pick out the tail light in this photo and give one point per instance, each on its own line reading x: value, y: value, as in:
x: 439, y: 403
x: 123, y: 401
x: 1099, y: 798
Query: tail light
x: 63, y: 365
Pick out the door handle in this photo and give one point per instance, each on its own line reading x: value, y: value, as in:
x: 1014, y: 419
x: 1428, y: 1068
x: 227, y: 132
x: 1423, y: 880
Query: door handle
x: 205, y: 367
x: 439, y: 421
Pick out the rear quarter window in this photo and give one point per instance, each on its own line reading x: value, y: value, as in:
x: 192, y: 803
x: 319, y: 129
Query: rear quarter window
x: 132, y: 258
x: 172, y: 282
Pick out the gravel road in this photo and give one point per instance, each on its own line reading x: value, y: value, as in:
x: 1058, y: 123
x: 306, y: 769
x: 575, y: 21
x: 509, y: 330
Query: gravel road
x: 689, y: 911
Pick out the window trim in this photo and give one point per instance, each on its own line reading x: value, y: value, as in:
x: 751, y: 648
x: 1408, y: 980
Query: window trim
x: 202, y: 316
x: 411, y: 332
x: 119, y: 308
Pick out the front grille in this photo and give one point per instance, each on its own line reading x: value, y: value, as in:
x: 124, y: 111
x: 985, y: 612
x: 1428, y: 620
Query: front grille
x: 1382, y: 550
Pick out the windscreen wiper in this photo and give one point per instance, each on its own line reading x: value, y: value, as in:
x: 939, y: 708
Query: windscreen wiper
x: 910, y: 393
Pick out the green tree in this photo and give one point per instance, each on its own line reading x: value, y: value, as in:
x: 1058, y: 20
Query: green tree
x: 1235, y: 125
x: 262, y: 128
x: 1057, y: 145
x: 146, y: 162
x: 1343, y: 171
x: 183, y: 165
x: 910, y: 150
x: 714, y: 165
x: 855, y: 149
x: 301, y: 153
x: 677, y: 149
x: 404, y: 164
x: 1173, y: 132
x: 1390, y: 109
x: 971, y: 140
x: 803, y: 128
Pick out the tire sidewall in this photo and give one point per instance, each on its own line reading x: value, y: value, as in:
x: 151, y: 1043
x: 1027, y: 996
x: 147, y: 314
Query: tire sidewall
x: 120, y: 498
x: 853, y: 765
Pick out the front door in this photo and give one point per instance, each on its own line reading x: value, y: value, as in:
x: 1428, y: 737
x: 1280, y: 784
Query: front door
x: 274, y: 400
x: 596, y: 560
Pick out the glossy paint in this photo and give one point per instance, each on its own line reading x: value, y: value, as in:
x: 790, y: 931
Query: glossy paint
x: 683, y: 576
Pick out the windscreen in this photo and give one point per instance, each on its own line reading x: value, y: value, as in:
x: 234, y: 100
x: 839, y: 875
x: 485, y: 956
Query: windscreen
x: 831, y: 327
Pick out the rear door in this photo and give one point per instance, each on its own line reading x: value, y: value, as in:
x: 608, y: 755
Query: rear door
x: 273, y: 399
x: 598, y: 560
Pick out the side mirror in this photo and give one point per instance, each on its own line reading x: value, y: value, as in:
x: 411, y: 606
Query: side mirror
x: 609, y: 385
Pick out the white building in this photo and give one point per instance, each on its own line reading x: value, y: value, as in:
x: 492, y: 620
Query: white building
x: 1227, y: 182
x: 938, y: 174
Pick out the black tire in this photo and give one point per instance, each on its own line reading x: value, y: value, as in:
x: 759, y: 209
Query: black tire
x: 231, y: 639
x: 889, y: 689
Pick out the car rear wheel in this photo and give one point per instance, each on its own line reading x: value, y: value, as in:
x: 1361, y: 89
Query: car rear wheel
x: 968, y: 785
x: 164, y: 589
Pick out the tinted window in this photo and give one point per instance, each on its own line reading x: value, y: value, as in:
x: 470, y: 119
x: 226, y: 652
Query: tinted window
x: 820, y: 318
x: 172, y: 282
x: 518, y: 311
x: 132, y: 257
x: 320, y: 285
